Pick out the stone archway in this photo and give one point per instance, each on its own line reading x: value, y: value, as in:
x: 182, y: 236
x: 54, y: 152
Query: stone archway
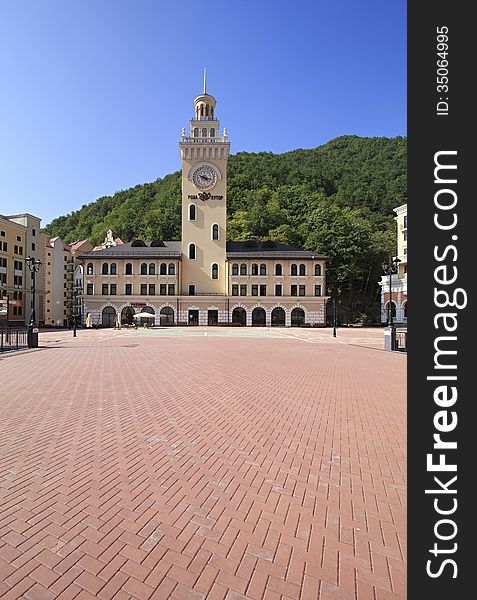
x: 127, y: 315
x: 146, y: 320
x: 108, y: 316
x: 166, y: 316
x: 297, y: 317
x: 239, y: 315
x: 278, y: 317
x: 259, y: 317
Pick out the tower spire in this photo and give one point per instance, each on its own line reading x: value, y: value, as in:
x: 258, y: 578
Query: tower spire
x: 205, y: 79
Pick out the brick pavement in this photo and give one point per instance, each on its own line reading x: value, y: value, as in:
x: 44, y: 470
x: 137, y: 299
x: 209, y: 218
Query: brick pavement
x: 226, y: 468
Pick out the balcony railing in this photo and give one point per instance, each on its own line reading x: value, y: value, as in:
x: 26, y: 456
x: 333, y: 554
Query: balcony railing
x: 204, y: 140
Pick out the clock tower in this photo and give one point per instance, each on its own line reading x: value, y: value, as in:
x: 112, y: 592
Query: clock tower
x: 204, y: 155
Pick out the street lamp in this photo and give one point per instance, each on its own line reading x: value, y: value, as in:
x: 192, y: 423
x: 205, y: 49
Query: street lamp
x: 72, y: 305
x: 34, y: 266
x: 334, y: 293
x: 390, y: 267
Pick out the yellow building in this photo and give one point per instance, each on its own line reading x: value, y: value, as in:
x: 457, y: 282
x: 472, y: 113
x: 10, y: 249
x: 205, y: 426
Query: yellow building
x: 398, y: 280
x: 203, y: 279
x: 20, y: 237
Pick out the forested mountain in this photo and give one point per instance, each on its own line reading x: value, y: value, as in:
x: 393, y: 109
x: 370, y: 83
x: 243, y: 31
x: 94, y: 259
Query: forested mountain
x: 336, y: 199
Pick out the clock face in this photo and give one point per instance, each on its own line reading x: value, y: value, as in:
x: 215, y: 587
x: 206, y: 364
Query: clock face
x: 204, y: 177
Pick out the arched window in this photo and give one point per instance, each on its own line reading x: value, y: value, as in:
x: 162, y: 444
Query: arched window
x: 404, y: 309
x: 143, y: 269
x: 393, y: 309
x: 278, y: 269
x: 113, y: 269
x: 215, y: 271
x: 302, y: 269
x: 152, y: 269
x: 172, y: 269
x: 204, y: 132
x: 263, y: 269
x: 163, y: 269
x: 192, y: 251
x: 212, y: 132
x: 243, y: 269
x: 128, y: 269
x: 254, y: 269
x: 104, y: 269
x: 192, y: 212
x: 89, y: 269
x: 317, y: 270
x: 235, y: 269
x: 294, y: 270
x: 215, y: 231
x: 196, y: 132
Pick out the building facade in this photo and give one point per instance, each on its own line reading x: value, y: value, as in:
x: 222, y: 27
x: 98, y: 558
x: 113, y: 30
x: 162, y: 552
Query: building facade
x: 20, y: 237
x: 63, y: 292
x: 203, y: 279
x: 398, y: 294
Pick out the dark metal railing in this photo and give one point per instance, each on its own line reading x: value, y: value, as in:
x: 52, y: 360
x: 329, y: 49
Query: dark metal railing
x: 401, y: 341
x: 13, y: 339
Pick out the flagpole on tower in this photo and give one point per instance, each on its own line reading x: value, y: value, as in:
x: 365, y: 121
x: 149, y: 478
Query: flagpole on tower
x: 205, y: 77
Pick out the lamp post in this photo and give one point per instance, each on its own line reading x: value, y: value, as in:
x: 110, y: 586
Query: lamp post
x: 34, y: 266
x: 72, y: 304
x: 334, y: 293
x: 390, y: 267
x: 75, y: 309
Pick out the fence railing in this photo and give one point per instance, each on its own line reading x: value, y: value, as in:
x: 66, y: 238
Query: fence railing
x: 13, y: 339
x: 401, y: 341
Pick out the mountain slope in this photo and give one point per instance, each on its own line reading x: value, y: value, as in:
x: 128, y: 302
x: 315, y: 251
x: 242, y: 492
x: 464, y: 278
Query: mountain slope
x: 336, y: 199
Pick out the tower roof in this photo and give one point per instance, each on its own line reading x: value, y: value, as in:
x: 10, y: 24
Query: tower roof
x: 204, y: 104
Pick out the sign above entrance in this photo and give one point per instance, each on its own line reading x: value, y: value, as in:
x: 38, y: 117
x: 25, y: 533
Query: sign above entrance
x: 204, y: 196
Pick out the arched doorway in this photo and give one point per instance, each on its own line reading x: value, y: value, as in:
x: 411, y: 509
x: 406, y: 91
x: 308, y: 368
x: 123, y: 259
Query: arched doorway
x: 147, y: 320
x: 127, y: 315
x: 166, y: 316
x: 297, y: 317
x: 278, y: 317
x: 239, y: 315
x: 259, y: 317
x: 108, y: 317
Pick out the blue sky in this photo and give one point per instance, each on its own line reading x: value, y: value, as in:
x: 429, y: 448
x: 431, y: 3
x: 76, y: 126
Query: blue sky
x: 95, y: 92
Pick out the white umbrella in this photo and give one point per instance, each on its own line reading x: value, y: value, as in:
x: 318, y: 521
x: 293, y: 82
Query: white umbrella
x: 144, y: 315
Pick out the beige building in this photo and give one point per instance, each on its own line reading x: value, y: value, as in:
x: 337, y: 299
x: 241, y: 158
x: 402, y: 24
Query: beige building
x: 203, y: 279
x: 20, y: 237
x: 60, y: 263
x: 399, y: 280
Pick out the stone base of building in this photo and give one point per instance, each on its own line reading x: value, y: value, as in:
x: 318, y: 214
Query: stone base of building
x: 209, y: 310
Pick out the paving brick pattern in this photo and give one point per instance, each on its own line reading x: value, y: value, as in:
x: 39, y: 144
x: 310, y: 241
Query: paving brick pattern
x: 190, y: 468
